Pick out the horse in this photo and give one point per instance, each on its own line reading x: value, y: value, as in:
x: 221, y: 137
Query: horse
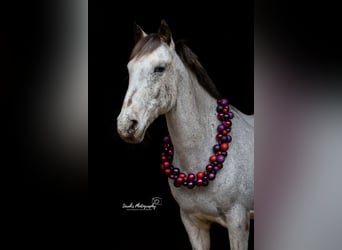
x: 166, y: 78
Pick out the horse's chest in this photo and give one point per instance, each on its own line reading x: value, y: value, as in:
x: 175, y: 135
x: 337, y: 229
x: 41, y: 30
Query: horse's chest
x: 206, y: 204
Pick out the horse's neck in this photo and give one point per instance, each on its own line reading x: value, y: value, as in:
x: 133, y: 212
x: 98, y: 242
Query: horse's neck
x: 192, y: 124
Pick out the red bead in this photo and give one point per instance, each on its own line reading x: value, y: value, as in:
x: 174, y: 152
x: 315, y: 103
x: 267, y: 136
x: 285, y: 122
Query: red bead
x: 167, y: 171
x: 167, y: 164
x: 164, y: 158
x: 209, y: 167
x: 191, y: 177
x: 179, y: 179
x: 212, y: 158
x: 218, y: 153
x: 199, y: 182
x: 220, y: 116
x: 224, y: 132
x: 226, y: 110
x: 200, y: 175
x: 182, y: 175
x: 224, y: 146
x: 218, y: 137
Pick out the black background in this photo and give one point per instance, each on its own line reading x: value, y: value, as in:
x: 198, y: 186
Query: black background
x: 222, y: 37
x: 75, y: 205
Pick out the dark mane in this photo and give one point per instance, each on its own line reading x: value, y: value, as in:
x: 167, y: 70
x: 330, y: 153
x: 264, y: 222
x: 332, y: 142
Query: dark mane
x: 146, y: 45
x: 191, y: 61
x: 149, y: 43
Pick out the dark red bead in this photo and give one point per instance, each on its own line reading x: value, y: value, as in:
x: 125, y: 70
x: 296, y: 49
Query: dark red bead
x: 182, y: 175
x: 167, y: 171
x: 179, y: 179
x: 177, y: 184
x: 218, y: 137
x: 191, y: 177
x: 199, y: 182
x: 220, y: 116
x: 167, y: 164
x: 218, y: 153
x: 209, y: 167
x: 164, y: 158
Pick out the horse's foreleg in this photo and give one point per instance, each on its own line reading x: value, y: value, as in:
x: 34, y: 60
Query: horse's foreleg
x: 198, y: 231
x: 238, y: 220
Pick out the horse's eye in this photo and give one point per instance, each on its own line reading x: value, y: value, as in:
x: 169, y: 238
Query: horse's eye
x: 159, y: 69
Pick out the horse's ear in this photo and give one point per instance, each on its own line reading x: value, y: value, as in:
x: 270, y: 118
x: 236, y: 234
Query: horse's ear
x: 165, y: 32
x: 138, y: 33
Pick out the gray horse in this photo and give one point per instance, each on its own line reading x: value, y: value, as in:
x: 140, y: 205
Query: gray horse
x: 167, y: 79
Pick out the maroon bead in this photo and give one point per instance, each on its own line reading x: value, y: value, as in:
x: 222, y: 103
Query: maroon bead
x: 167, y: 171
x: 164, y: 158
x: 220, y: 116
x: 225, y: 110
x: 191, y: 177
x: 182, y: 175
x: 199, y: 182
x: 218, y: 137
x: 219, y: 165
x: 209, y: 167
x: 218, y: 153
x: 177, y: 184
x: 179, y: 180
x: 167, y: 164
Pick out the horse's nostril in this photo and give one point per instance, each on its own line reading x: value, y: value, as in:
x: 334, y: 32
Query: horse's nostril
x: 132, y: 127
